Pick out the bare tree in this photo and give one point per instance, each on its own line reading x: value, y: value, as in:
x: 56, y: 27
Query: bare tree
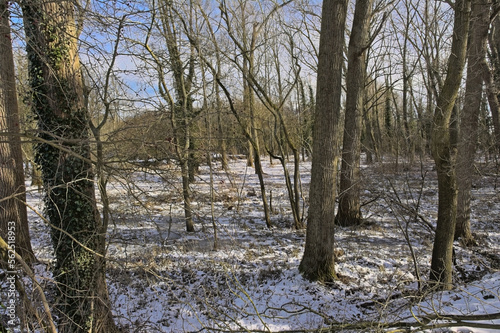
x: 430, y: 39
x: 179, y: 99
x: 349, y: 211
x: 248, y: 47
x: 281, y: 136
x: 318, y: 262
x: 476, y: 66
x: 404, y: 27
x: 444, y: 152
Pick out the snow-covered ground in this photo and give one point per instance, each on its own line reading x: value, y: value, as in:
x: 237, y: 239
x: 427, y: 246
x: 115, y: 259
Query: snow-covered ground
x: 163, y: 279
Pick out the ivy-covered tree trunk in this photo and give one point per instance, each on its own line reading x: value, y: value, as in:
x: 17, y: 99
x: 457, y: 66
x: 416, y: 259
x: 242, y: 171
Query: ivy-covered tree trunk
x: 13, y: 212
x: 63, y: 152
x: 444, y: 152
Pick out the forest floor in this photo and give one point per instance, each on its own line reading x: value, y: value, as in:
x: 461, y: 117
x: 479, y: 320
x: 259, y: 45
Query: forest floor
x: 163, y: 279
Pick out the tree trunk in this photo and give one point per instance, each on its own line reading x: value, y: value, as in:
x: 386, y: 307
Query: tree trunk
x: 349, y: 212
x: 220, y: 129
x: 249, y: 102
x: 318, y: 262
x: 298, y: 221
x: 193, y: 160
x: 257, y: 161
x: 12, y: 190
x: 63, y: 153
x: 181, y: 104
x: 406, y: 86
x: 476, y: 65
x: 444, y: 153
x: 369, y: 137
x: 494, y: 42
x: 186, y: 194
x: 491, y: 92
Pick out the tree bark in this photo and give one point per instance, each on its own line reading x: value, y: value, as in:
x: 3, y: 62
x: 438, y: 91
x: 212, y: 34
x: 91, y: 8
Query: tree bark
x: 444, y: 153
x: 349, y: 212
x: 494, y: 42
x: 318, y: 262
x: 494, y: 104
x: 12, y: 189
x: 63, y: 153
x: 468, y: 135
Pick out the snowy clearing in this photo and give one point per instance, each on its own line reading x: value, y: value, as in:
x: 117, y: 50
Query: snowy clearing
x: 163, y: 279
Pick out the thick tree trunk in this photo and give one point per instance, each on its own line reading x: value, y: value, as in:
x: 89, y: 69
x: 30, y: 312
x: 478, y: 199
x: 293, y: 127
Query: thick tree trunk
x: 349, y: 212
x: 476, y: 66
x: 12, y: 189
x: 444, y: 153
x: 318, y: 262
x: 63, y: 153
